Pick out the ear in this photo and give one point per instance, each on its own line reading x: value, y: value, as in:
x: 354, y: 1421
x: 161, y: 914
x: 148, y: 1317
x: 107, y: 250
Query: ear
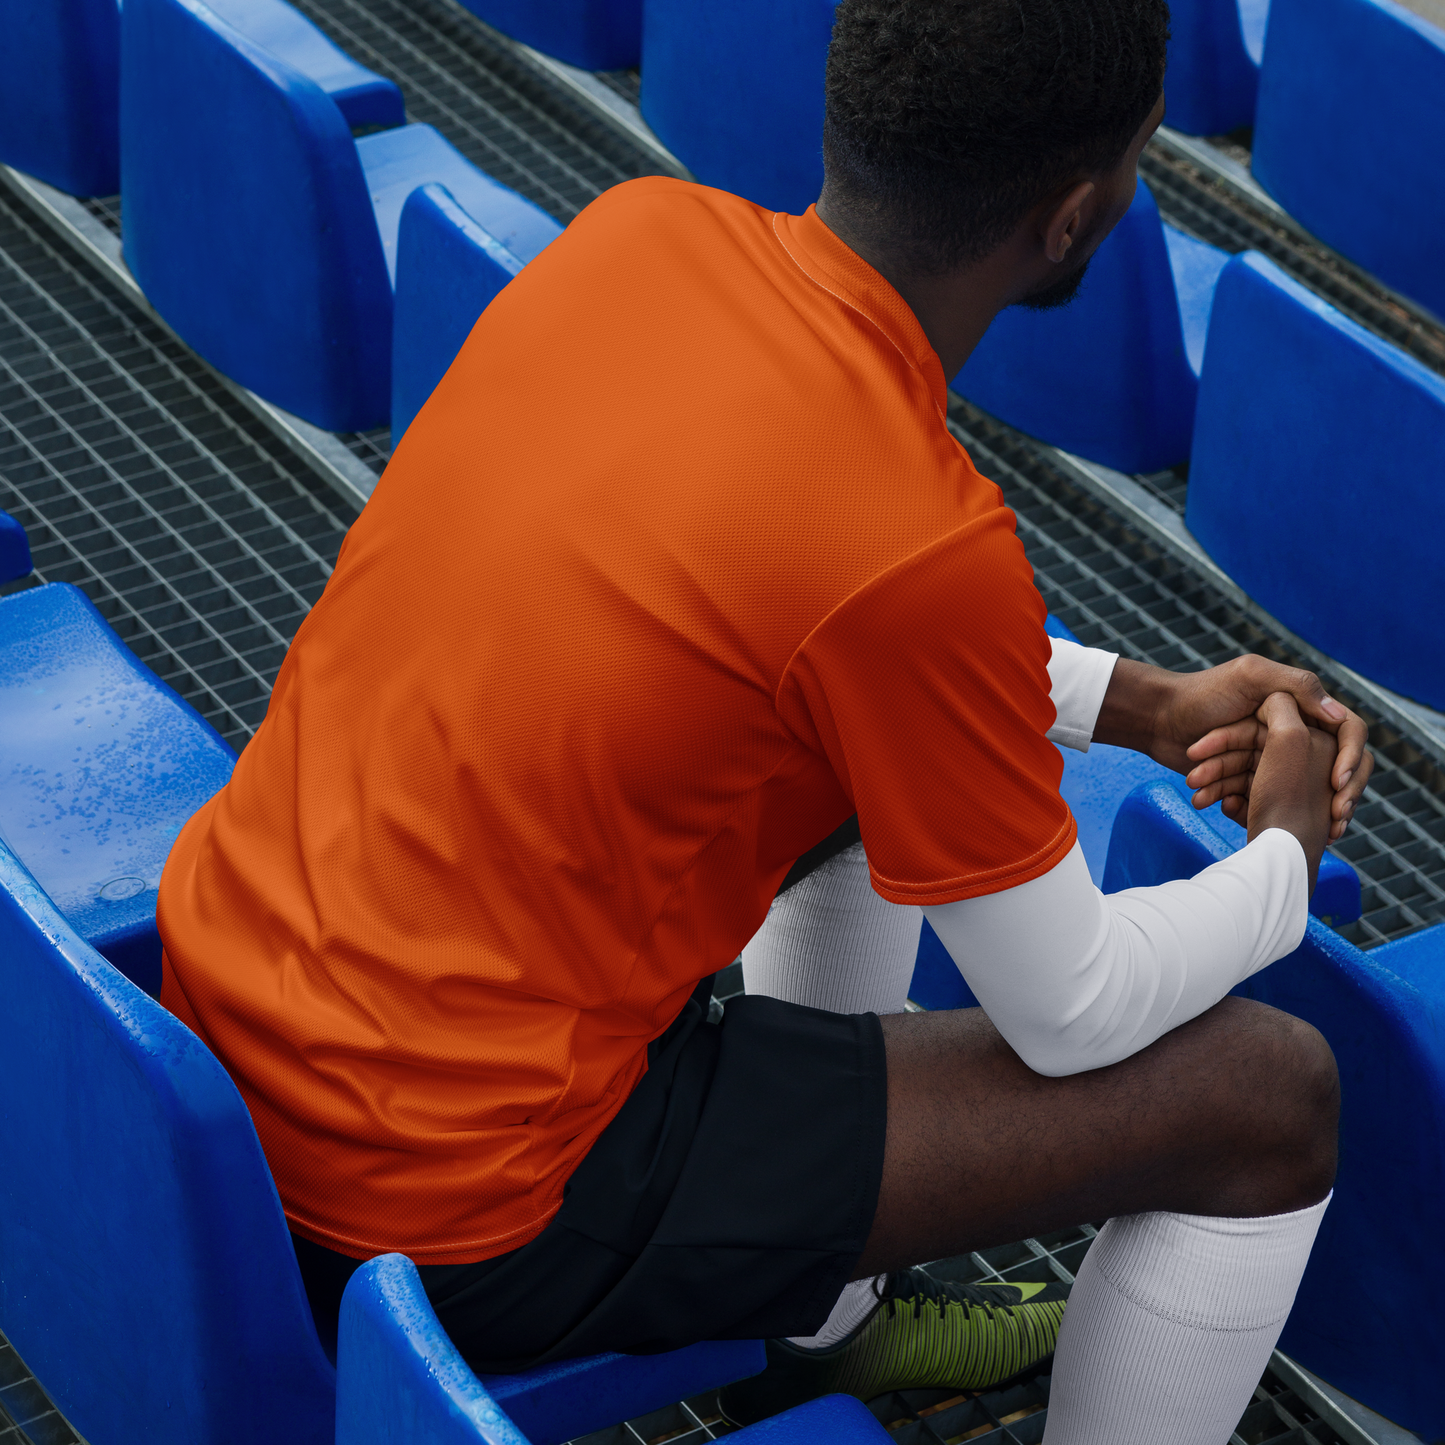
x: 1065, y: 222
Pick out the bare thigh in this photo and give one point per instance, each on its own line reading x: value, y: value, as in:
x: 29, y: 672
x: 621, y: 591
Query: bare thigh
x: 1232, y: 1114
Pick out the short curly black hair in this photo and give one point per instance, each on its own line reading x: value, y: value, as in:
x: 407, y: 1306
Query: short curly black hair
x: 947, y: 119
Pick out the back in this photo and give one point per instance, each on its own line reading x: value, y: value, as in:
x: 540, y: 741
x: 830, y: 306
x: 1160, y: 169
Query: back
x: 635, y: 617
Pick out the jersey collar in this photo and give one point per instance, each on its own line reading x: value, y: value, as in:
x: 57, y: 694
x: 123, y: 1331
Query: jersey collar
x: 838, y: 269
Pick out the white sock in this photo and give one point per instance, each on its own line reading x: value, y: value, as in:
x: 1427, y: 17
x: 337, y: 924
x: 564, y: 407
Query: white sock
x: 855, y: 1304
x: 832, y: 943
x: 1170, y: 1325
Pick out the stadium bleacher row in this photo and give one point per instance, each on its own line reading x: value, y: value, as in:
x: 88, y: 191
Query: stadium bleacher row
x: 291, y: 227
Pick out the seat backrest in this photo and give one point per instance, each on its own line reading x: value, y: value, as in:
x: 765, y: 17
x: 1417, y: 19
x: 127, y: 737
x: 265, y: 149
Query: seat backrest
x: 1212, y: 72
x: 1383, y: 1014
x: 1107, y: 376
x: 400, y: 1378
x: 736, y: 92
x: 1349, y: 130
x: 59, y: 89
x: 146, y: 1273
x: 362, y: 96
x: 1328, y: 441
x: 14, y: 550
x: 594, y: 34
x: 448, y: 270
x: 100, y: 766
x: 247, y: 218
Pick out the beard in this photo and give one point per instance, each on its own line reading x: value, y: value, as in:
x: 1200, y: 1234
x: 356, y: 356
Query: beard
x: 1050, y: 298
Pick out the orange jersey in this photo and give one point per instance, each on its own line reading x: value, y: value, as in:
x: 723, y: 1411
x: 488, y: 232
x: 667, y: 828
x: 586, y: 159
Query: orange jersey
x: 677, y: 569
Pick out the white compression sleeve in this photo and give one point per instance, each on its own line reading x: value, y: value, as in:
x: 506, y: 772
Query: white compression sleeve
x: 1078, y: 679
x: 832, y: 943
x: 1076, y: 979
x: 1170, y: 1325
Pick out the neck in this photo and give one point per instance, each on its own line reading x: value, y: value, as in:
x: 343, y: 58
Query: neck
x: 954, y: 310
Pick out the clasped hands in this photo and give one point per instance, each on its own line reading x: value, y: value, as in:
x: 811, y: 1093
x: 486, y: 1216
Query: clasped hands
x: 1265, y: 738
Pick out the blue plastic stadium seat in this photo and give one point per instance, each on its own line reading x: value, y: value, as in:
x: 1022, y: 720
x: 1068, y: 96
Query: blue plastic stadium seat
x: 736, y: 93
x: 14, y: 550
x: 400, y: 1379
x: 100, y: 766
x: 258, y: 227
x: 594, y: 34
x: 146, y: 1273
x: 59, y: 82
x: 1114, y: 375
x: 1358, y: 1321
x: 1349, y: 130
x: 448, y: 269
x: 1095, y: 785
x: 1314, y: 480
x: 1215, y: 50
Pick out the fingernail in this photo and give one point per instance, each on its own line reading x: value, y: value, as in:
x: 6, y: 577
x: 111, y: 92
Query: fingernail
x: 1344, y: 780
x: 1332, y: 709
x: 1348, y: 811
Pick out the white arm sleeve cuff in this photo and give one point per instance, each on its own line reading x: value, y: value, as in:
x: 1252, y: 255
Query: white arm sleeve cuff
x: 1076, y: 979
x: 1078, y: 679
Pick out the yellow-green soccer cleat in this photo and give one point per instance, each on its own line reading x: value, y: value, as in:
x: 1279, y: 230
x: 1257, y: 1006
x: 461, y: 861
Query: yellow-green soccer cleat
x: 925, y: 1333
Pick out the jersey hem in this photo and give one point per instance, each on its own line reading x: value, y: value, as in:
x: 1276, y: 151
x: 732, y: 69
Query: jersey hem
x: 995, y: 880
x: 472, y: 1253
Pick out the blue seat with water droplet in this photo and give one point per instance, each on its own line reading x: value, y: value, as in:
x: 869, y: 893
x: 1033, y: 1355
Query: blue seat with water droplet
x: 398, y: 1377
x: 257, y: 225
x: 146, y: 1273
x: 1383, y: 1014
x: 100, y: 766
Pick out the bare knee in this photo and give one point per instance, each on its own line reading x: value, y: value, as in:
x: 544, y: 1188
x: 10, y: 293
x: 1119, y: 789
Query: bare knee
x: 1285, y: 1098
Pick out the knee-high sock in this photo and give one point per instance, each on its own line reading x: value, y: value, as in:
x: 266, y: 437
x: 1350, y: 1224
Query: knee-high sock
x: 1170, y: 1325
x: 832, y: 943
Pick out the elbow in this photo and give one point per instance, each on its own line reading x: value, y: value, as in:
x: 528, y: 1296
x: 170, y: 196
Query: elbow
x: 1058, y: 1054
x: 1055, y: 1056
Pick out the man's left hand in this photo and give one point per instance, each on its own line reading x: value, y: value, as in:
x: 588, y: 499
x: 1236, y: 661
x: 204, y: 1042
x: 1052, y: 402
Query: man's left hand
x: 1204, y: 724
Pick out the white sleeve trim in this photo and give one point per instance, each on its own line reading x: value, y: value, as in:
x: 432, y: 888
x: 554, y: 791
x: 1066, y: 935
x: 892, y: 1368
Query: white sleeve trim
x: 1078, y: 679
x: 1076, y: 979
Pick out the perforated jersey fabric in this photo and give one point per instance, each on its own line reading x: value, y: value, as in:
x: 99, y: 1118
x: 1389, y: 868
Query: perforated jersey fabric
x: 677, y: 569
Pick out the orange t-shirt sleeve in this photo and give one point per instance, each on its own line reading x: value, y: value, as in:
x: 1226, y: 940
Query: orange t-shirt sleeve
x: 928, y: 691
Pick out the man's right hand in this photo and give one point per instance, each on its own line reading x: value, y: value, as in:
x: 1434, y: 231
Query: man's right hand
x: 1291, y: 787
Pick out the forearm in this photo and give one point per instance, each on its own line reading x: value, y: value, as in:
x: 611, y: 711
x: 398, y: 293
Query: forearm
x: 1076, y: 980
x: 1135, y: 705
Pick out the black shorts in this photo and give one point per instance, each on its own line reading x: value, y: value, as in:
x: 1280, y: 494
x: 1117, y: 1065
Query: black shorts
x: 730, y: 1198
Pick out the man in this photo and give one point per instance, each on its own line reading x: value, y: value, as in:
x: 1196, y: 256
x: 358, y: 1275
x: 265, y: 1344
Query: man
x: 678, y: 570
